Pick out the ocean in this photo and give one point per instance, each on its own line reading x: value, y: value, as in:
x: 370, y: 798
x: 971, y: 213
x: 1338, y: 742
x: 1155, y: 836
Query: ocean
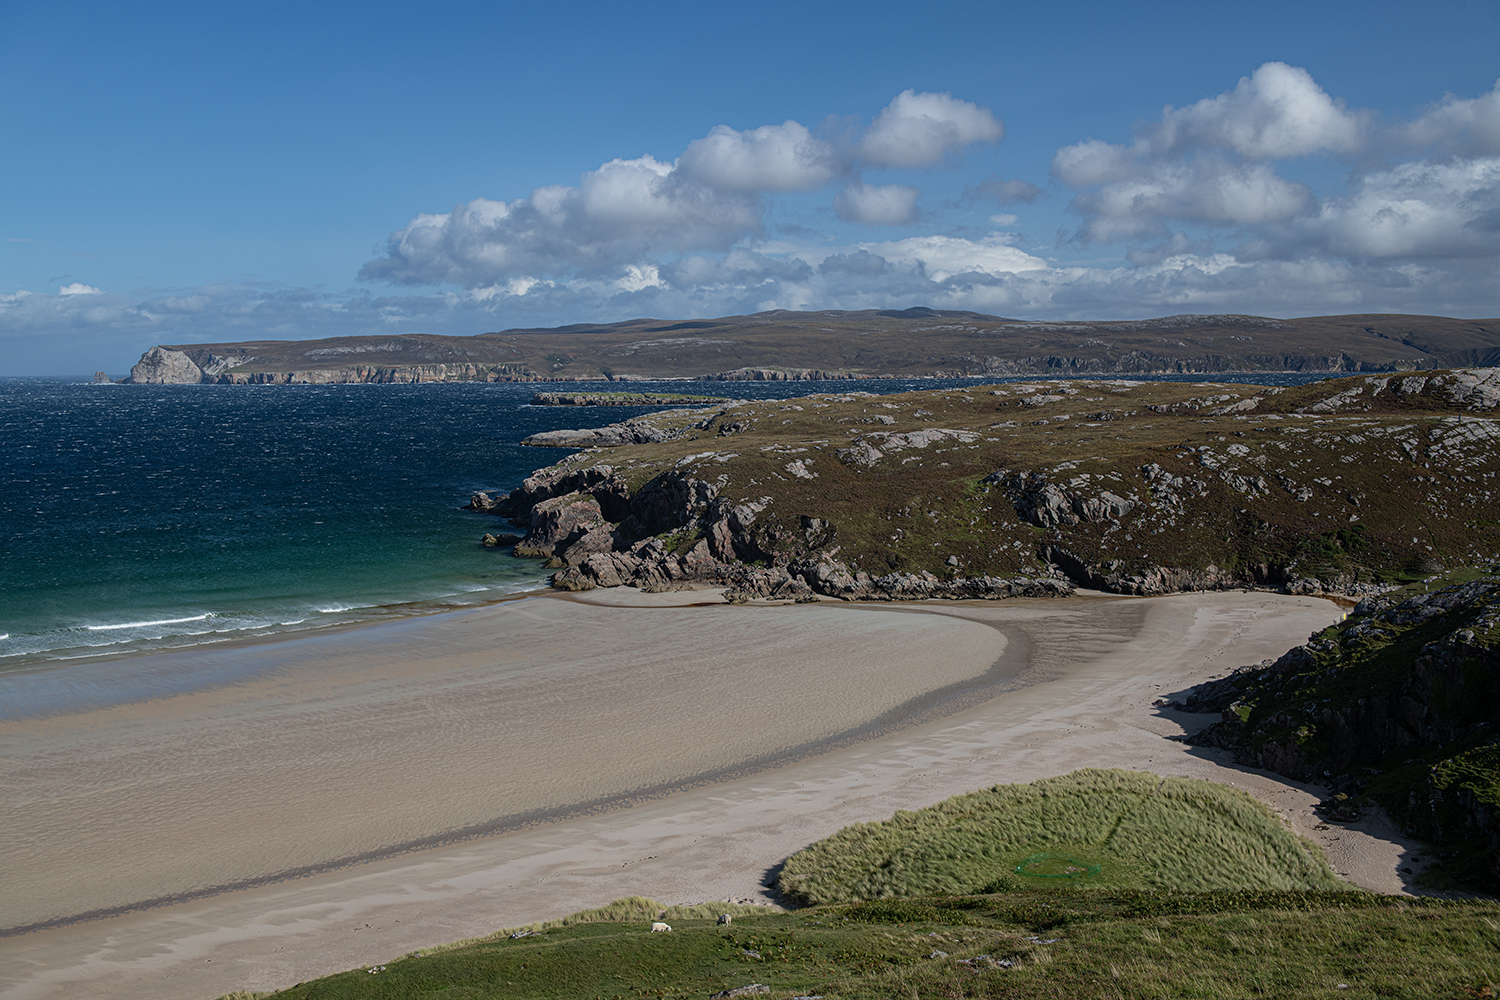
x: 150, y: 517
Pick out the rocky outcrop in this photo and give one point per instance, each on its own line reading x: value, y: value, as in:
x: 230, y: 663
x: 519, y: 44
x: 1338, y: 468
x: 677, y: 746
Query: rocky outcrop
x: 1448, y: 690
x: 870, y: 448
x: 639, y: 431
x: 569, y: 528
x: 779, y: 375
x: 1411, y: 675
x: 1472, y: 389
x: 621, y: 399
x: 1130, y: 488
x: 1048, y: 505
x: 648, y: 429
x: 678, y: 533
x: 164, y: 366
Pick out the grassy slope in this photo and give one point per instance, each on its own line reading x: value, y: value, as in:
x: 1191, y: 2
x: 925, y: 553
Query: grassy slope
x: 911, y: 342
x: 1058, y: 944
x: 1367, y: 495
x: 1108, y: 936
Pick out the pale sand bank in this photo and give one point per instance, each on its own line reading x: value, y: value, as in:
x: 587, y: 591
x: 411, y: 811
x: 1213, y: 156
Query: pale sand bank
x: 1093, y: 668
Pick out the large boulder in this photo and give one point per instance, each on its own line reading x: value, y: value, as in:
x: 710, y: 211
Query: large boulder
x: 558, y: 523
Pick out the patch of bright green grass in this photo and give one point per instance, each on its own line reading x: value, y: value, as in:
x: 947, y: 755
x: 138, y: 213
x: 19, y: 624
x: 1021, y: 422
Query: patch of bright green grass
x: 1137, y: 829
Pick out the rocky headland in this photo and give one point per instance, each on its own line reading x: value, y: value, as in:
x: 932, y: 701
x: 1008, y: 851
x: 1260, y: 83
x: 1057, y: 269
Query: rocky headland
x: 1347, y: 486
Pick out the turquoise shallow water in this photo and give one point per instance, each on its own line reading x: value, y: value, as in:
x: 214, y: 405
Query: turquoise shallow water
x: 144, y: 517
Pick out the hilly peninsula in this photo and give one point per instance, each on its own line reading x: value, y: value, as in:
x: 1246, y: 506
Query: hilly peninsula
x: 1347, y: 486
x: 784, y: 345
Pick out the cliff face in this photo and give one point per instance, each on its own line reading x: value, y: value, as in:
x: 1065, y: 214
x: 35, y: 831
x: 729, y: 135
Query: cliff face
x: 164, y: 366
x: 405, y: 374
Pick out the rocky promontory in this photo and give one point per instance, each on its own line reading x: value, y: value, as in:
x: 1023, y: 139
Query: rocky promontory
x: 621, y: 399
x: 1348, y: 486
x: 677, y: 532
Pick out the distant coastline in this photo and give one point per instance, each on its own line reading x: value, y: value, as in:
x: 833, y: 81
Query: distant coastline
x: 833, y: 345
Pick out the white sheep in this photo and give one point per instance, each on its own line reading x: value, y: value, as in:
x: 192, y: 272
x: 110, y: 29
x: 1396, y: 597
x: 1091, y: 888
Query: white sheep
x: 724, y: 920
x: 660, y: 927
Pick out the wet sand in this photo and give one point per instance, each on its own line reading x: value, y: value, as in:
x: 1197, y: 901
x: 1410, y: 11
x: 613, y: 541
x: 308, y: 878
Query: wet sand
x: 778, y: 725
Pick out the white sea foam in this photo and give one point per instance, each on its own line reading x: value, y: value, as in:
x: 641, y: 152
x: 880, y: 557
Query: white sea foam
x: 162, y: 621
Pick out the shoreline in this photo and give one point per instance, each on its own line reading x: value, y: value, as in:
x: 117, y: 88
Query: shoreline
x: 1092, y: 670
x: 926, y: 707
x: 281, y: 759
x: 374, y: 614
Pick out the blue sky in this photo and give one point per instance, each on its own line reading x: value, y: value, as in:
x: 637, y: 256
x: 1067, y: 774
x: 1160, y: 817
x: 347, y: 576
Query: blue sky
x: 178, y: 173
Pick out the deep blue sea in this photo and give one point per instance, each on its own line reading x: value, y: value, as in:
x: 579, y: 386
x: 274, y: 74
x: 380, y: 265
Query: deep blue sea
x: 147, y: 517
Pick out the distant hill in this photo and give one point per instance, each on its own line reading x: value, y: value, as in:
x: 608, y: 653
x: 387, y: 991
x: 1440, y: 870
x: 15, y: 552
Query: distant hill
x: 836, y: 344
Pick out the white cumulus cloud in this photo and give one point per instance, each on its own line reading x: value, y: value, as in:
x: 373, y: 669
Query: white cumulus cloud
x: 1204, y: 190
x: 1468, y: 127
x: 632, y: 213
x: 617, y: 215
x: 1426, y: 208
x: 785, y: 157
x: 941, y: 257
x: 917, y: 130
x: 877, y: 205
x: 1212, y: 165
x: 1275, y: 113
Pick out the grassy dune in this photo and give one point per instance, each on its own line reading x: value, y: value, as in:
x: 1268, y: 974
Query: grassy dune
x: 1142, y: 831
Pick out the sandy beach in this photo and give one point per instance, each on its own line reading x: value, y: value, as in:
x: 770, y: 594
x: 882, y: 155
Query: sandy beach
x: 321, y: 803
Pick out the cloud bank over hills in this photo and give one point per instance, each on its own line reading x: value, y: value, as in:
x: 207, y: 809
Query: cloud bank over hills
x: 1271, y: 197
